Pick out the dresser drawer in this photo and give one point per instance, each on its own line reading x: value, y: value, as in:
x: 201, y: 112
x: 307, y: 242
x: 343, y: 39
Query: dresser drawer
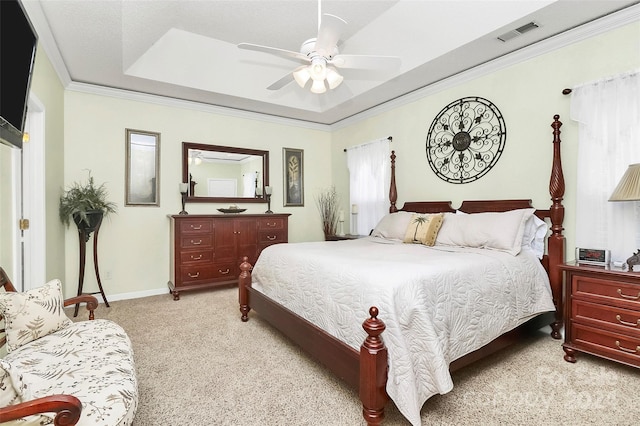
x: 192, y: 274
x: 611, y: 345
x: 199, y: 256
x: 194, y: 241
x: 225, y: 270
x: 271, y: 223
x: 195, y: 226
x: 272, y: 236
x: 617, y: 293
x: 610, y: 317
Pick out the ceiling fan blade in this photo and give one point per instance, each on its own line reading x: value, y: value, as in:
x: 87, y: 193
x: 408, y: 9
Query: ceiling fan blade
x: 289, y: 54
x: 365, y: 61
x: 331, y: 28
x: 282, y: 82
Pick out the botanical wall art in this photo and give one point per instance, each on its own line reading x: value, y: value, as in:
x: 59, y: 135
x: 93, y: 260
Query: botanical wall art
x: 293, y: 161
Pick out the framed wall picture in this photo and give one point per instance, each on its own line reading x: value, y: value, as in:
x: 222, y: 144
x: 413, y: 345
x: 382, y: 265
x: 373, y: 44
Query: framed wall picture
x: 143, y: 168
x: 293, y: 161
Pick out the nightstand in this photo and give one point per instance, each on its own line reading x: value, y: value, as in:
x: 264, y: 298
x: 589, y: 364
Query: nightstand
x: 343, y: 237
x: 602, y: 313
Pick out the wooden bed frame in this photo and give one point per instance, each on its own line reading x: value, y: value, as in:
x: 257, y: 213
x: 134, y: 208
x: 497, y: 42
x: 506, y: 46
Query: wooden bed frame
x: 367, y: 369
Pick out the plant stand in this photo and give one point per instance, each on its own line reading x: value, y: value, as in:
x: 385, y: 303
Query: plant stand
x: 84, y: 234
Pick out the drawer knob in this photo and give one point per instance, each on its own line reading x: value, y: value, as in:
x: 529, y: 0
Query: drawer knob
x: 196, y: 243
x: 224, y: 272
x: 271, y: 224
x: 627, y: 296
x: 196, y: 275
x: 631, y: 351
x: 196, y: 258
x: 196, y: 227
x: 271, y: 238
x: 630, y: 324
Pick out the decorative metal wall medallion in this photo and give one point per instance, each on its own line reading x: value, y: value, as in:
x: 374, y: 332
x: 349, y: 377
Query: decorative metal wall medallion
x: 466, y: 140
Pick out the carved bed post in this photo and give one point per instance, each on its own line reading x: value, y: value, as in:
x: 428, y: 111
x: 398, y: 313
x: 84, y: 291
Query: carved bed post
x: 373, y: 370
x: 393, y: 192
x: 244, y: 281
x: 556, y: 242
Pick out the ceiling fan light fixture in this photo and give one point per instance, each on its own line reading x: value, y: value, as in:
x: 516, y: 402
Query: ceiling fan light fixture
x: 333, y: 78
x: 318, y: 68
x: 318, y: 87
x: 301, y: 76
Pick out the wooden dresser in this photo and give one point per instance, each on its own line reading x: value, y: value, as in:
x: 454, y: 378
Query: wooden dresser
x: 602, y: 313
x: 206, y: 250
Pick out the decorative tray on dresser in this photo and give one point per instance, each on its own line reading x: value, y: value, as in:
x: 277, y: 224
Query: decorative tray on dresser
x: 207, y: 250
x: 602, y: 313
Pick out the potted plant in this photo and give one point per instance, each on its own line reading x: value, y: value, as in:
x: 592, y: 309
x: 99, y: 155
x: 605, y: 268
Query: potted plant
x: 328, y: 203
x: 86, y: 204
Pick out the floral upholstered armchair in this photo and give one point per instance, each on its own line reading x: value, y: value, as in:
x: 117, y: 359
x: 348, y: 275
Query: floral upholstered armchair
x: 60, y: 372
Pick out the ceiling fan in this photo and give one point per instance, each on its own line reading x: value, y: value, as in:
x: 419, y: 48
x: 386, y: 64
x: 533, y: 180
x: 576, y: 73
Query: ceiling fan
x: 321, y: 57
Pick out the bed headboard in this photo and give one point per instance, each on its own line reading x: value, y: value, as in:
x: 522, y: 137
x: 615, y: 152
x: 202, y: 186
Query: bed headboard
x: 555, y: 255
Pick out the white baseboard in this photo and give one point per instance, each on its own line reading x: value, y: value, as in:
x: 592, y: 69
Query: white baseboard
x: 134, y: 294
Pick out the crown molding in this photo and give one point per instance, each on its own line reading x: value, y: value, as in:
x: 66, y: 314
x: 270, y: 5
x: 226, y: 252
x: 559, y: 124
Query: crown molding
x: 575, y: 35
x: 195, y: 106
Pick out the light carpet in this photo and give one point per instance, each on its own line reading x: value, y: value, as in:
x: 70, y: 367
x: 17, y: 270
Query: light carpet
x: 198, y: 364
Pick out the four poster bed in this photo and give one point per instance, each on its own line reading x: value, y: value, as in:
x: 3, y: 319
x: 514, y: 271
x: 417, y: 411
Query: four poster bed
x: 444, y: 307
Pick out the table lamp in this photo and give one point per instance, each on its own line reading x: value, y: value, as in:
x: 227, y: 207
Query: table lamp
x: 628, y: 189
x: 184, y: 189
x: 267, y: 193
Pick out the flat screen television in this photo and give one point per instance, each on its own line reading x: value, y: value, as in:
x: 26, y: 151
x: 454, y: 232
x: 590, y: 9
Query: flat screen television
x: 18, y: 41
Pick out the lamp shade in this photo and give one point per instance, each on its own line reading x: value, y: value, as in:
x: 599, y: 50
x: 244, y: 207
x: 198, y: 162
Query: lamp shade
x: 333, y: 78
x: 318, y: 86
x: 301, y: 75
x: 628, y: 188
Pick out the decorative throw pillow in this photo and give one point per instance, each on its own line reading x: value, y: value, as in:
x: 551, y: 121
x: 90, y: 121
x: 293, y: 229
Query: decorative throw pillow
x: 12, y: 387
x: 33, y: 314
x: 423, y: 228
x: 13, y: 390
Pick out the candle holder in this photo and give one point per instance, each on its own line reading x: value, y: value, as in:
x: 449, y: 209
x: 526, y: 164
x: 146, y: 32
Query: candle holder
x: 184, y: 189
x: 341, y: 228
x: 267, y: 194
x: 354, y: 223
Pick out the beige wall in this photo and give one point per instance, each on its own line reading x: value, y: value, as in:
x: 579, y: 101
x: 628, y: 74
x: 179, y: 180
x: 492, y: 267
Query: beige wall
x: 528, y: 95
x: 47, y: 87
x: 134, y: 243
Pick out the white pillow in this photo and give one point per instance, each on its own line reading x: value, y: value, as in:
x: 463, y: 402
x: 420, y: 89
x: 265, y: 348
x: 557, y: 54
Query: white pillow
x: 33, y: 314
x: 496, y: 231
x: 535, y: 231
x: 393, y: 226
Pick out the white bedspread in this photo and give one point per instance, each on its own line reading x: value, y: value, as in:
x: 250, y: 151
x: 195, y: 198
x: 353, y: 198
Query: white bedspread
x: 438, y: 304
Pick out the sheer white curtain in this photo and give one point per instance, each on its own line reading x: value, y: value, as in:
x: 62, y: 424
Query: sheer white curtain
x: 369, y: 178
x: 608, y: 112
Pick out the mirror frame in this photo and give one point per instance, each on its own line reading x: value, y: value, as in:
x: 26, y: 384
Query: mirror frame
x: 186, y: 146
x: 129, y: 199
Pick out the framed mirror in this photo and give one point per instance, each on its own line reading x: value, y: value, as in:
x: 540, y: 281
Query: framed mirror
x: 142, y: 169
x: 224, y: 174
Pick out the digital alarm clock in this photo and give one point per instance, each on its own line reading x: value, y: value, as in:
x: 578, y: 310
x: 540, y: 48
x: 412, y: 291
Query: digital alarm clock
x: 593, y: 256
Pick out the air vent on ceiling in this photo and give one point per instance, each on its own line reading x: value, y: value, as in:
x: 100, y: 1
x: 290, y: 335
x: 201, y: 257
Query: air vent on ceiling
x: 518, y: 31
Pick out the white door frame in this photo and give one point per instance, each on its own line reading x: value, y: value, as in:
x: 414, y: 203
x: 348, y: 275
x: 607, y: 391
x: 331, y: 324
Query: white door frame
x: 33, y: 199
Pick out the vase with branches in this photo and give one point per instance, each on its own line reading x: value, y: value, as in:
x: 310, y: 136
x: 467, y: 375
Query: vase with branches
x: 328, y: 205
